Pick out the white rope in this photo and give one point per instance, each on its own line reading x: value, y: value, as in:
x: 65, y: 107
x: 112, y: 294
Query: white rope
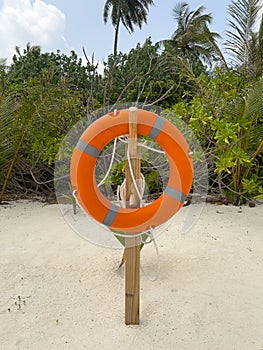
x: 133, y: 178
x: 112, y: 156
x: 121, y: 191
x: 150, y: 148
x: 158, y: 265
x: 139, y: 186
x: 111, y: 163
x: 74, y: 194
x: 124, y: 139
x: 122, y: 196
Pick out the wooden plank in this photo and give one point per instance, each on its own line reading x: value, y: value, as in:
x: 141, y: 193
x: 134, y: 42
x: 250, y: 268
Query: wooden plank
x: 132, y: 244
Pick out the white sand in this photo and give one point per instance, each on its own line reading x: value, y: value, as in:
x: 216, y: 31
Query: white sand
x: 58, y: 291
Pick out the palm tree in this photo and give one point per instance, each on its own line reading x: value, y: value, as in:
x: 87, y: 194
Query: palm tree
x: 127, y: 12
x: 193, y: 39
x: 243, y: 44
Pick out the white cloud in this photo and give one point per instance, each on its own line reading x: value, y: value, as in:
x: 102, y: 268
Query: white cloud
x: 33, y: 21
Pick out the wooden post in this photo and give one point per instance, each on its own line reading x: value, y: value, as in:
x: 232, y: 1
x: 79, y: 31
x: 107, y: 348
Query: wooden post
x: 132, y: 244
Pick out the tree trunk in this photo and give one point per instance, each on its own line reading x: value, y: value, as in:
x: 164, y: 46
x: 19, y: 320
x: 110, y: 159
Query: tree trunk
x: 116, y: 36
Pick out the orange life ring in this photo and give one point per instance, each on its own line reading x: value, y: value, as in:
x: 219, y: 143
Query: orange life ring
x: 83, y: 163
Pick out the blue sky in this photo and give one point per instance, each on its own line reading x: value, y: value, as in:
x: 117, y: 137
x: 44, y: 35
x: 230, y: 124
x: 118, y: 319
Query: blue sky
x: 85, y: 26
x: 69, y: 25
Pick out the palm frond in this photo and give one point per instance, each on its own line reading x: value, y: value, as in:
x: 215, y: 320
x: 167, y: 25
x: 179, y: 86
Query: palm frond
x: 193, y: 37
x: 129, y: 12
x: 8, y: 107
x: 179, y: 12
x: 254, y: 101
x: 240, y: 38
x: 17, y: 120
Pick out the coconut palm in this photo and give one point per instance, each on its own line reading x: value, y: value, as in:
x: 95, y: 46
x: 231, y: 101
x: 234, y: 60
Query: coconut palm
x: 127, y: 12
x: 243, y: 43
x: 193, y: 39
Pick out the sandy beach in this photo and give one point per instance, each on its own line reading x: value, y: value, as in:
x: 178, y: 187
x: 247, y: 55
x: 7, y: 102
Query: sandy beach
x: 58, y: 291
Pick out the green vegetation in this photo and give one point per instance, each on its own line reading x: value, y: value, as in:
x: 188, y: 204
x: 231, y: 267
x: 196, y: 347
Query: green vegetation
x: 153, y: 179
x: 42, y: 95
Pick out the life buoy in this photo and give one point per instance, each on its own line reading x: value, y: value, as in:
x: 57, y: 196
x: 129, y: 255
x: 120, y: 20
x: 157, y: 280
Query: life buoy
x: 83, y: 163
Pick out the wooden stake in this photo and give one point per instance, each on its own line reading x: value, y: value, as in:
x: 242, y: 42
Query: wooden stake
x: 132, y: 244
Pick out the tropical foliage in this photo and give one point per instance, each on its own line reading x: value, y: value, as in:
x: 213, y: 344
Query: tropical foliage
x: 243, y: 43
x: 43, y: 94
x: 230, y: 130
x: 192, y: 39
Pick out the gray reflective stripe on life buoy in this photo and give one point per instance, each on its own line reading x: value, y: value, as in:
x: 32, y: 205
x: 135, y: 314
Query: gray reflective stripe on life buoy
x: 177, y: 195
x: 111, y: 215
x: 86, y: 148
x: 157, y: 128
